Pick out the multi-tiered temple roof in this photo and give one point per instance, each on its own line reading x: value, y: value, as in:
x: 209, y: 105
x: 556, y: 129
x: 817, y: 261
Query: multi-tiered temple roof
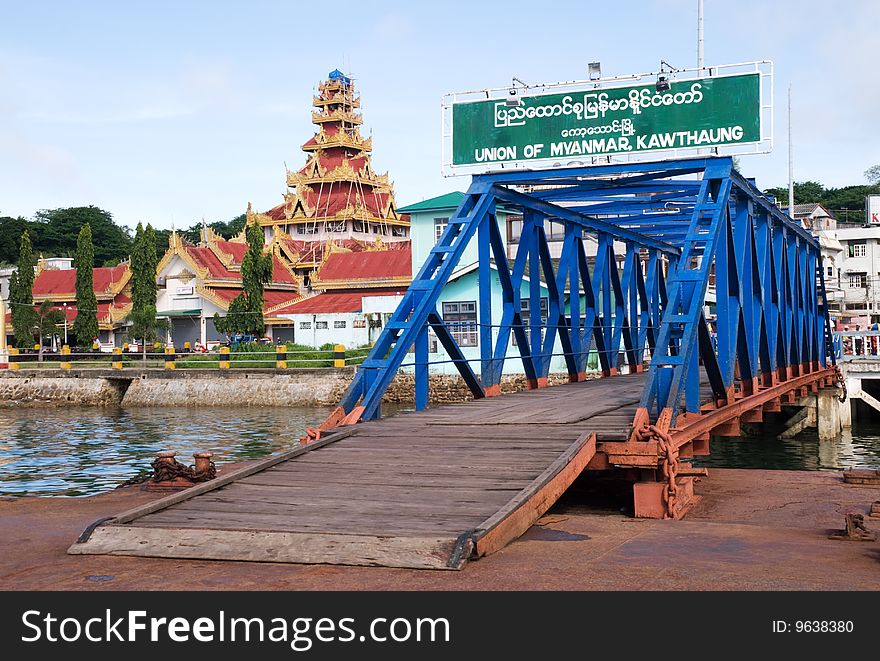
x: 336, y: 199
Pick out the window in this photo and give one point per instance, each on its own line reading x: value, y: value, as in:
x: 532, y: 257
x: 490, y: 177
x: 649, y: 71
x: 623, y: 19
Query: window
x: 858, y: 249
x: 398, y: 231
x: 305, y: 325
x: 461, y: 320
x: 514, y: 228
x: 336, y: 226
x: 524, y: 305
x: 830, y: 271
x: 858, y: 280
x: 307, y: 228
x: 338, y: 324
x: 439, y: 228
x: 554, y: 231
x: 357, y: 225
x: 433, y: 342
x: 321, y: 325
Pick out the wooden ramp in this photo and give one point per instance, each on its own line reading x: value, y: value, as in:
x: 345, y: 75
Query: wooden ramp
x: 420, y: 490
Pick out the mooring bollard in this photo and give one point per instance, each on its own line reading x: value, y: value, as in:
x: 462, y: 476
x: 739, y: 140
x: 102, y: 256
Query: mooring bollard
x: 204, y: 468
x: 169, y: 358
x: 281, y: 356
x: 65, y: 351
x: 164, y: 465
x: 339, y: 355
x: 117, y: 358
x: 224, y: 358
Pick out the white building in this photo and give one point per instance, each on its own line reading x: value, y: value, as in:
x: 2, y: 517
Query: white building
x: 852, y: 273
x: 359, y: 292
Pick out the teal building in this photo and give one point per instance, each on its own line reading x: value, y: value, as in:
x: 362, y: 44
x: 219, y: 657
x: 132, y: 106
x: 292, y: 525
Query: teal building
x: 457, y: 304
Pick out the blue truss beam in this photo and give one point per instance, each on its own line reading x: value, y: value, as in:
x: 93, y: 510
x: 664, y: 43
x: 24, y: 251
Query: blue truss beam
x: 587, y: 222
x: 642, y: 293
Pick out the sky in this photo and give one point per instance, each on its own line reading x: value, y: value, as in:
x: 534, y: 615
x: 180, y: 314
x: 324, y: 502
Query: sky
x: 170, y: 112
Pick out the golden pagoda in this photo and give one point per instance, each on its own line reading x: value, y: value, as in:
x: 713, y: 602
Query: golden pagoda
x: 336, y: 201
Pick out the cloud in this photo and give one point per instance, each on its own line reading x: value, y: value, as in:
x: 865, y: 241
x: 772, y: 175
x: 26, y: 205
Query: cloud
x: 53, y: 163
x: 54, y: 93
x: 123, y: 115
x: 393, y: 26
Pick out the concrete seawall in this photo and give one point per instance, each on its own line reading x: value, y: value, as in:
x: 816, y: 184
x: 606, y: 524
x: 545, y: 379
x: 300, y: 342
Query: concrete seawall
x: 178, y: 388
x: 256, y: 387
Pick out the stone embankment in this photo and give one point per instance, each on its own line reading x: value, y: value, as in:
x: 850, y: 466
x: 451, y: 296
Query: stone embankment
x: 301, y: 387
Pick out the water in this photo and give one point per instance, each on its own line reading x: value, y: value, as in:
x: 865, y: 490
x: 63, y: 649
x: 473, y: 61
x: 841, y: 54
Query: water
x: 859, y: 448
x: 85, y: 451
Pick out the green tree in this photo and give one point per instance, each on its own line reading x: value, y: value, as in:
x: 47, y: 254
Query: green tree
x: 57, y: 228
x: 11, y: 230
x: 162, y: 238
x: 21, y: 296
x: 46, y: 321
x: 847, y: 203
x: 245, y: 314
x: 804, y: 192
x: 872, y: 174
x: 144, y: 325
x: 226, y: 229
x: 85, y: 326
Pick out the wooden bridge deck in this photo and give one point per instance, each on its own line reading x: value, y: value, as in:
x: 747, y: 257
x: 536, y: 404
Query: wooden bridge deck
x: 428, y: 489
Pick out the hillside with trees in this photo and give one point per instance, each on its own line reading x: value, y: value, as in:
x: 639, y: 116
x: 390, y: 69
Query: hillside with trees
x: 54, y: 232
x: 847, y: 203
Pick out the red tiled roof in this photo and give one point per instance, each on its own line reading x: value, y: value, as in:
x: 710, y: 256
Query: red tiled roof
x: 104, y: 278
x: 271, y: 297
x: 313, y: 251
x: 347, y: 301
x: 368, y: 265
x: 237, y: 251
x: 281, y: 275
x: 233, y: 248
x: 205, y: 258
x: 70, y: 310
x: 61, y: 282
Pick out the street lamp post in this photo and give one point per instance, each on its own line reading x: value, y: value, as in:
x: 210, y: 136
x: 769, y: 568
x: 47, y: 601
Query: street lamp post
x: 66, y: 308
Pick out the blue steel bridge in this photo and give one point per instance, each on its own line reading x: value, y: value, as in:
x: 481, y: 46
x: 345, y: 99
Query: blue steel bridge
x: 681, y: 223
x: 438, y: 486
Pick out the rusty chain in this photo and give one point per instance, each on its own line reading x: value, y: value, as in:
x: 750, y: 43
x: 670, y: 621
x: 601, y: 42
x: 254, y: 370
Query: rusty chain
x: 668, y: 463
x: 164, y: 470
x: 841, y: 383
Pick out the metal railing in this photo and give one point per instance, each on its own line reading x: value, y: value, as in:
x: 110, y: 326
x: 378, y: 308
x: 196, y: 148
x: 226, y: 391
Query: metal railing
x: 279, y: 357
x: 856, y: 345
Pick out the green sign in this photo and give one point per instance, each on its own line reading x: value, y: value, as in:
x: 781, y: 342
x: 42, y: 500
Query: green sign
x: 692, y: 114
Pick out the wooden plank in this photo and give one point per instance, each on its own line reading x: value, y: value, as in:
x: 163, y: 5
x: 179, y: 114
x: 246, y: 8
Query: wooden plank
x: 413, y: 466
x: 648, y: 448
x: 425, y: 492
x: 528, y: 506
x: 408, y: 552
x: 403, y: 481
x: 372, y: 527
x: 223, y: 480
x: 291, y: 506
x: 337, y: 521
x: 413, y: 474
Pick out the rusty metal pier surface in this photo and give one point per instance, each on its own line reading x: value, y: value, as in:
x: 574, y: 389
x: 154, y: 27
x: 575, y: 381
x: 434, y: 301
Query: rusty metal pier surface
x: 428, y: 490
